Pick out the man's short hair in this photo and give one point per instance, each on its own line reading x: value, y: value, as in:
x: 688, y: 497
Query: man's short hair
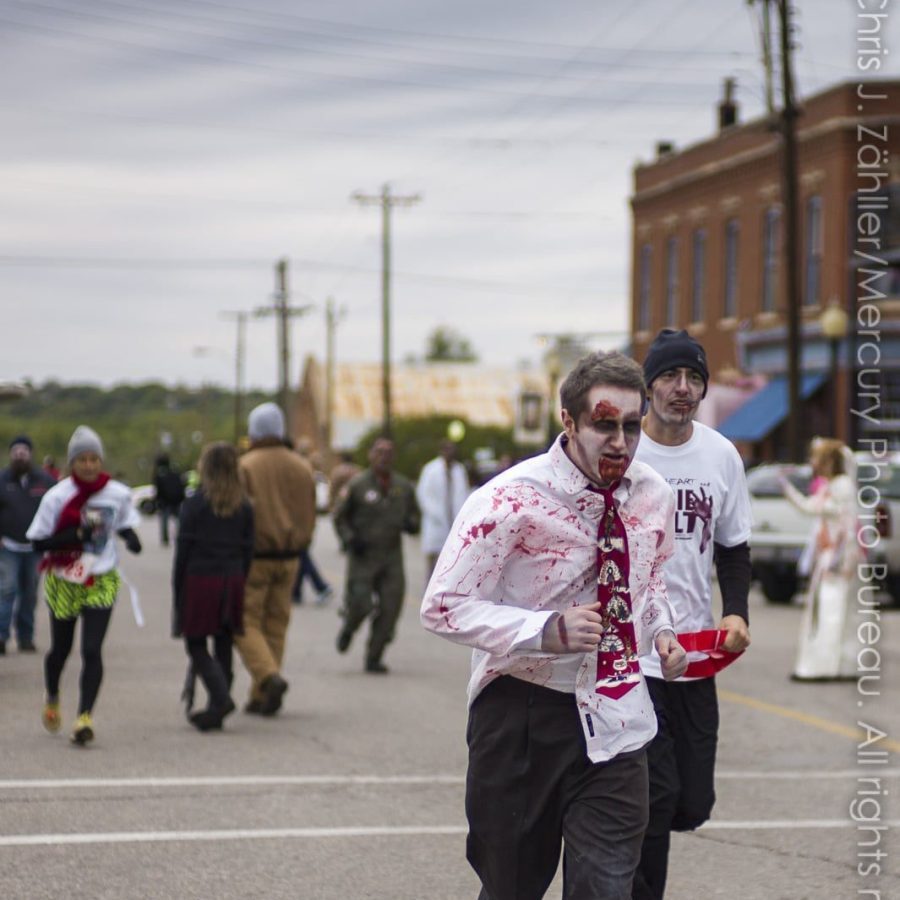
x: 614, y: 369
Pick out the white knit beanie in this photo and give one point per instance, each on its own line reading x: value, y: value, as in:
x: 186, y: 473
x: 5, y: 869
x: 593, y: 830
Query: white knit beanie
x: 84, y: 440
x: 265, y: 421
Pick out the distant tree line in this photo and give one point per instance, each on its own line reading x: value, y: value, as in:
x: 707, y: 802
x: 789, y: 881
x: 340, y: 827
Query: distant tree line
x: 417, y: 440
x: 130, y: 418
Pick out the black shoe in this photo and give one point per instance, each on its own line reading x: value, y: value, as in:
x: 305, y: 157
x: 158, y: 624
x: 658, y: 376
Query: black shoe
x: 2, y: 648
x: 377, y: 667
x: 206, y: 720
x: 274, y: 687
x: 343, y: 640
x: 254, y: 707
x: 225, y: 710
x: 211, y: 719
x: 27, y: 647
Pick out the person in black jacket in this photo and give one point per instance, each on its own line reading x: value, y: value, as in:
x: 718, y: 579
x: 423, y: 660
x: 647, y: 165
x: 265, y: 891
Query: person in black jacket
x: 169, y: 494
x: 212, y: 558
x: 22, y: 485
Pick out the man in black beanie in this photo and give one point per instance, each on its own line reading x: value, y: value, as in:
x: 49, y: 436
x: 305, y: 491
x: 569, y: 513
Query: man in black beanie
x: 712, y: 524
x: 22, y: 485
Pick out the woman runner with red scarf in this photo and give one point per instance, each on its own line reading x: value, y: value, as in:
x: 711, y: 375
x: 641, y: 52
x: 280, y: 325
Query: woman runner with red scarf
x: 74, y: 527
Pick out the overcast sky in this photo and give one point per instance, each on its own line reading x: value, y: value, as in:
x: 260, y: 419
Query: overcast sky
x: 158, y: 158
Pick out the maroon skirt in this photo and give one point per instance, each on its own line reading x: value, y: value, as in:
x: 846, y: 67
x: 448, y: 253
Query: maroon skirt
x: 212, y: 604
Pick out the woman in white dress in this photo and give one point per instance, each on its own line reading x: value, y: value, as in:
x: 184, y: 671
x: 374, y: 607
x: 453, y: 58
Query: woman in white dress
x: 828, y: 646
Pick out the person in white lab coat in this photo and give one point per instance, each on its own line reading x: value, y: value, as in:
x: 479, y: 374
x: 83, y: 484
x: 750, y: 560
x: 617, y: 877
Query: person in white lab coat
x: 442, y: 489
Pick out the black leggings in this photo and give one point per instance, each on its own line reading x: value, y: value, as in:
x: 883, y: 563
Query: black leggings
x: 94, y: 623
x: 215, y: 673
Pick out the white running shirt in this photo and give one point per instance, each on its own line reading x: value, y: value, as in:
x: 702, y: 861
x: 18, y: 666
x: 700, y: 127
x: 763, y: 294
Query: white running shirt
x: 711, y: 505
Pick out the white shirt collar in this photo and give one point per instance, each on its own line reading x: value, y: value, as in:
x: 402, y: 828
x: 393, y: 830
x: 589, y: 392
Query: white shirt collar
x: 571, y: 479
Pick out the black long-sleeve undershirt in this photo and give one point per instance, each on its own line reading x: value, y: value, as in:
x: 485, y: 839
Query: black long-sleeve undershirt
x: 733, y: 571
x: 76, y: 536
x: 71, y: 538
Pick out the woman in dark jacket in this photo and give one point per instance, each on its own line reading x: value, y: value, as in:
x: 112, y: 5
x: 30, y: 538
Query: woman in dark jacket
x: 213, y: 555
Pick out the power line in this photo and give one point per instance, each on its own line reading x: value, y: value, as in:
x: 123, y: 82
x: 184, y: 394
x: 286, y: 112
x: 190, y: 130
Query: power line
x: 312, y: 41
x: 180, y: 52
x: 228, y: 263
x: 492, y: 44
x: 508, y: 215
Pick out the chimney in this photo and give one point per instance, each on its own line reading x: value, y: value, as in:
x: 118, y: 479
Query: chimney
x: 728, y: 108
x: 664, y: 148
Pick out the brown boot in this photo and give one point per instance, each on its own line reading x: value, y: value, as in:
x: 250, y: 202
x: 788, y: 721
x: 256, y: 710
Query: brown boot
x: 274, y: 688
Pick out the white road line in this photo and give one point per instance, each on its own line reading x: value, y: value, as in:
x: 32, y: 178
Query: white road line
x: 12, y: 784
x: 228, y: 780
x: 806, y: 775
x: 246, y: 834
x: 240, y: 834
x: 779, y: 824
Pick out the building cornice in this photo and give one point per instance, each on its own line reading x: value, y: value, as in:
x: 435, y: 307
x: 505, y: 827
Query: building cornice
x: 835, y: 124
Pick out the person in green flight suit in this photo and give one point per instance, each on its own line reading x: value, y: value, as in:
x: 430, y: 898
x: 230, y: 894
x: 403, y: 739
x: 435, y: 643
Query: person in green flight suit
x: 372, y: 512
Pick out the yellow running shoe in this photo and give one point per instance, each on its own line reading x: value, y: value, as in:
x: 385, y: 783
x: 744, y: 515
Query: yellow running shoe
x: 83, y: 732
x: 51, y: 716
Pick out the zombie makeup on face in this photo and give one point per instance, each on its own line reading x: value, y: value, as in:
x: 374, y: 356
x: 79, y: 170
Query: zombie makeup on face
x: 605, y: 410
x: 675, y: 395
x: 603, y: 442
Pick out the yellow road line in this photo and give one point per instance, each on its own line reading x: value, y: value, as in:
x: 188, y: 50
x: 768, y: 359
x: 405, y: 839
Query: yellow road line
x: 815, y: 721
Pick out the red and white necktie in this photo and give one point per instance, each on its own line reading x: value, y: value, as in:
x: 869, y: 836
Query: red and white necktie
x: 618, y: 669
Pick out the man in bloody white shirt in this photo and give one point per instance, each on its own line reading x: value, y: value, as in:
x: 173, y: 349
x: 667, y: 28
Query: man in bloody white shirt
x: 552, y: 574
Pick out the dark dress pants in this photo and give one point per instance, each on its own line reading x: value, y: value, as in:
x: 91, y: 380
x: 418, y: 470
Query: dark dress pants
x: 531, y: 789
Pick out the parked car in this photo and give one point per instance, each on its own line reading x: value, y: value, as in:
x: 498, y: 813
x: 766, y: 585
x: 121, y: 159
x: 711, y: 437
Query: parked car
x: 780, y: 531
x: 144, y: 499
x: 144, y: 495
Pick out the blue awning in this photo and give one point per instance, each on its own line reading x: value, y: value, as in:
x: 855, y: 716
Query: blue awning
x: 767, y: 408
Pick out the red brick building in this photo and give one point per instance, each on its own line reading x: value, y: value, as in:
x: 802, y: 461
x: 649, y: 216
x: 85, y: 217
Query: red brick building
x: 708, y: 256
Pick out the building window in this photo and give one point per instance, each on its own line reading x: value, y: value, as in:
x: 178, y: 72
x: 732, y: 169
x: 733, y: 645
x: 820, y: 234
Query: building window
x: 672, y: 281
x: 730, y: 297
x: 813, y: 250
x: 698, y: 286
x: 771, y: 248
x: 646, y: 259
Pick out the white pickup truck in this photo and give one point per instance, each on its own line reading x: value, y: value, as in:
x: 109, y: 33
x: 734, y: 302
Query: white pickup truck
x: 780, y: 531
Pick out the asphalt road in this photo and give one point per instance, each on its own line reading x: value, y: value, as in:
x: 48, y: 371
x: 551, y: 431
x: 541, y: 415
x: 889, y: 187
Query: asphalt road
x: 356, y: 789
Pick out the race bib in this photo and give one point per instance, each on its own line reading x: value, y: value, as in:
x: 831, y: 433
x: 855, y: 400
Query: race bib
x: 78, y: 571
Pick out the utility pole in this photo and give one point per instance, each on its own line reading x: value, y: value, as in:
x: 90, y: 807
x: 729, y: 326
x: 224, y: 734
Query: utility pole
x: 241, y: 318
x: 562, y: 350
x: 386, y: 201
x: 283, y: 313
x: 766, y: 40
x: 332, y: 318
x: 791, y: 241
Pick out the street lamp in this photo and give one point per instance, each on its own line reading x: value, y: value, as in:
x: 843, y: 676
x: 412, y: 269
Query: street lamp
x: 553, y: 362
x: 834, y: 323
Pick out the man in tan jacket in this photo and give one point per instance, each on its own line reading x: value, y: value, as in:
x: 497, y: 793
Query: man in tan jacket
x: 281, y: 487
